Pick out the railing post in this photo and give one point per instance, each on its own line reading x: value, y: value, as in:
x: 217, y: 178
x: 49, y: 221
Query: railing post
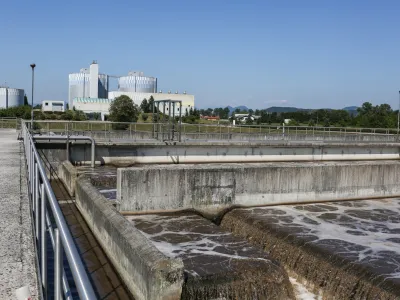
x: 43, y: 241
x: 37, y: 206
x: 58, y: 266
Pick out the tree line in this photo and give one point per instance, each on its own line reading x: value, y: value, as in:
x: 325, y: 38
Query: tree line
x: 123, y: 109
x: 368, y: 115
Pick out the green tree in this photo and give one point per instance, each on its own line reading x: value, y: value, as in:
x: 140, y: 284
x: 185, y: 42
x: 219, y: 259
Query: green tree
x: 26, y: 100
x: 150, y: 104
x: 122, y: 109
x: 249, y: 121
x: 144, y: 106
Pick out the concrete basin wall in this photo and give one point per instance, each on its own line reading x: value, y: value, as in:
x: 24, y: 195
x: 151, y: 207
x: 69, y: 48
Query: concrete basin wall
x: 147, y: 272
x: 213, y: 187
x: 68, y: 175
x: 220, y: 152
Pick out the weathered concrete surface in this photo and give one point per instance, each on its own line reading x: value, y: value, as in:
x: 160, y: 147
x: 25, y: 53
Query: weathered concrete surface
x: 222, y: 152
x: 349, y: 250
x: 217, y: 265
x: 17, y: 253
x: 148, y: 273
x: 68, y: 175
x: 212, y: 187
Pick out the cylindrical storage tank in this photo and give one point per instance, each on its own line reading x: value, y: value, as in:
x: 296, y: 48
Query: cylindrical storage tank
x: 79, y: 86
x: 137, y: 82
x: 11, y: 97
x: 103, y: 86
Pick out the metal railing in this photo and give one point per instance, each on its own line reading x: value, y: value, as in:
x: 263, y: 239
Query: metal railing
x: 10, y: 123
x: 48, y: 221
x: 111, y: 131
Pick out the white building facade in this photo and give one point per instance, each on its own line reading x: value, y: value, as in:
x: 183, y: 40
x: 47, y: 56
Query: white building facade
x: 137, y: 98
x: 53, y: 106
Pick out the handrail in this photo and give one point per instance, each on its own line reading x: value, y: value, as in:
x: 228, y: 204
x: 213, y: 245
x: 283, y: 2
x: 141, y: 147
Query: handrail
x: 275, y: 126
x: 72, y: 137
x: 41, y: 193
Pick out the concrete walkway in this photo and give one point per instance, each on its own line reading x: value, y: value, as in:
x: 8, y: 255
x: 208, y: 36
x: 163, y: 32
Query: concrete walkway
x: 17, y: 254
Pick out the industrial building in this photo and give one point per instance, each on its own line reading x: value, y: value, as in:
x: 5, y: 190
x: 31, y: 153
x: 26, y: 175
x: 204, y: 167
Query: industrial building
x: 10, y: 97
x: 89, y: 90
x: 93, y: 105
x: 88, y: 83
x: 187, y: 99
x: 53, y: 106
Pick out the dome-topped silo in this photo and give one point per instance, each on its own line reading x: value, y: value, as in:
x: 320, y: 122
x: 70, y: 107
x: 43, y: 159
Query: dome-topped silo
x: 136, y: 81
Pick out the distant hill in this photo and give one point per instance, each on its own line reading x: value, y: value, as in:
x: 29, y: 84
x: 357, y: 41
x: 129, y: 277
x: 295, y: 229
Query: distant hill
x: 285, y: 109
x: 281, y: 109
x: 242, y: 108
x: 350, y: 108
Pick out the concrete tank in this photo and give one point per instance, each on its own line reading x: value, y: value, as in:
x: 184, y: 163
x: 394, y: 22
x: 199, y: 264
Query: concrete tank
x: 11, y: 97
x: 137, y: 82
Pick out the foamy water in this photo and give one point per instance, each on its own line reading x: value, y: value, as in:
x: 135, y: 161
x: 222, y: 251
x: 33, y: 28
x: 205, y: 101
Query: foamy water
x: 302, y: 293
x: 366, y: 232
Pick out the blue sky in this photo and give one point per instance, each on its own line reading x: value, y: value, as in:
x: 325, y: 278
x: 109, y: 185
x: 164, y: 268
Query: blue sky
x: 308, y: 53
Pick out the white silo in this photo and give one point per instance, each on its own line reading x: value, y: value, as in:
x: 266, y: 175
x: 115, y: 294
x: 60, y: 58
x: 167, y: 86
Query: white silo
x: 80, y: 84
x: 10, y: 97
x: 137, y: 82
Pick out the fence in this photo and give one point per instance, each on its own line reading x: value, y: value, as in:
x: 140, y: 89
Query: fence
x: 10, y: 123
x: 112, y: 131
x: 49, y: 222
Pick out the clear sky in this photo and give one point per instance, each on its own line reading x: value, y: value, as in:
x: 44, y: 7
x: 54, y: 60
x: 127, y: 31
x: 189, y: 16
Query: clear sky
x: 309, y: 53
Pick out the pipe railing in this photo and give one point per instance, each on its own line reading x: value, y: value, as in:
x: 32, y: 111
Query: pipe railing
x: 115, y: 131
x: 44, y: 205
x: 69, y: 139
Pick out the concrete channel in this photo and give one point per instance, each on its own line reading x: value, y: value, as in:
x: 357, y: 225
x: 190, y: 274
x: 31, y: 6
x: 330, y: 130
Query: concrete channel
x: 200, y: 231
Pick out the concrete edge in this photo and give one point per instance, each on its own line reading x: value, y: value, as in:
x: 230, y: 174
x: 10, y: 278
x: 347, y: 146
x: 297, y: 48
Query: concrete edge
x: 147, y: 272
x: 68, y: 175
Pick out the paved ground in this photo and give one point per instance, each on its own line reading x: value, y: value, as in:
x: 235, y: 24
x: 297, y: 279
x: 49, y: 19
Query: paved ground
x: 17, y: 256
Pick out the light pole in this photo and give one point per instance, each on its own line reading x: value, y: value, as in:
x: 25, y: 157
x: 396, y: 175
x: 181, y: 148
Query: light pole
x: 33, y: 78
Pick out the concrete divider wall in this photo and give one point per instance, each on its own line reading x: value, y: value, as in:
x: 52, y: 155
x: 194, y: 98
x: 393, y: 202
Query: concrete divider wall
x: 204, y: 152
x: 212, y: 187
x: 147, y: 272
x: 68, y: 175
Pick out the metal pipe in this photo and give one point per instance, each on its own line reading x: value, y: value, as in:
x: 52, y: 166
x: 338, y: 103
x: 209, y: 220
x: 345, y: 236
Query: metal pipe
x: 398, y: 118
x: 180, y: 121
x: 43, y: 241
x: 57, y: 266
x: 33, y: 80
x: 194, y: 159
x: 37, y: 206
x: 72, y: 137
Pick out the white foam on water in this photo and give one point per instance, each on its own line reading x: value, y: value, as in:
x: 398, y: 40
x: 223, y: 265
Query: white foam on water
x: 301, y: 292
x: 199, y: 243
x: 374, y: 235
x: 108, y: 191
